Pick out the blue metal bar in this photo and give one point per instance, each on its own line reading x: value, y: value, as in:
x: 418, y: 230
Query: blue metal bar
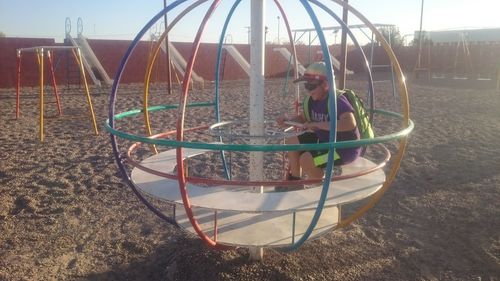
x: 217, y: 80
x: 112, y: 102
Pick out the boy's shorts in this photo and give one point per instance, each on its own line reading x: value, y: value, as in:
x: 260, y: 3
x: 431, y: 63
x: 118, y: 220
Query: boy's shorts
x: 320, y: 157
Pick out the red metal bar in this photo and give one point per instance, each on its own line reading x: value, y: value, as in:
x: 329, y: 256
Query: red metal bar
x: 54, y: 84
x: 180, y: 132
x: 217, y: 182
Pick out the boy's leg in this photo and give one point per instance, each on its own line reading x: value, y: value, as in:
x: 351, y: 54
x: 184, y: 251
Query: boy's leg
x: 314, y: 162
x: 294, y: 167
x: 294, y: 158
x: 307, y: 164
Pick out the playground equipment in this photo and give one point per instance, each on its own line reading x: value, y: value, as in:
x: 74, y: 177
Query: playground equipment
x: 373, y: 66
x: 90, y: 61
x: 288, y: 56
x: 459, y: 58
x: 235, y: 54
x: 178, y: 61
x: 420, y: 67
x: 228, y: 211
x: 462, y: 65
x: 40, y: 51
x: 312, y: 37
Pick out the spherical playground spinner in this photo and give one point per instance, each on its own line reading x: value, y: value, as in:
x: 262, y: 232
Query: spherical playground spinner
x: 162, y: 157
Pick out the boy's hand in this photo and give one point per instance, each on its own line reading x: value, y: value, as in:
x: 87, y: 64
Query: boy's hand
x: 310, y: 126
x: 295, y: 124
x: 281, y: 120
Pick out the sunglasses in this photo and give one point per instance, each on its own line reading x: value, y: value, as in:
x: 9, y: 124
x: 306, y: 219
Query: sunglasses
x: 311, y: 86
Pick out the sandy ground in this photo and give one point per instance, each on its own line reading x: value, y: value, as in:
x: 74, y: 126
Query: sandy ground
x: 66, y: 214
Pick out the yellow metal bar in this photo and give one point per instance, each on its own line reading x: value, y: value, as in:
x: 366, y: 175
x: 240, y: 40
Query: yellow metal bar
x: 38, y: 57
x: 79, y: 61
x: 405, y: 122
x: 18, y: 84
x: 498, y: 77
x: 151, y: 62
x: 176, y: 75
x: 40, y: 71
x: 378, y: 195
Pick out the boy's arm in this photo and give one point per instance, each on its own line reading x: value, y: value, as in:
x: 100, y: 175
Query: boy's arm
x: 284, y: 119
x: 346, y: 122
x: 298, y: 118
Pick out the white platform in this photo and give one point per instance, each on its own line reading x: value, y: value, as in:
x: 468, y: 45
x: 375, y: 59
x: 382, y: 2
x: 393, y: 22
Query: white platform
x: 247, y: 218
x: 258, y: 229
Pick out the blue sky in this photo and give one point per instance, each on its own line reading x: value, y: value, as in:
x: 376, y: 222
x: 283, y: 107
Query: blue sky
x: 118, y: 19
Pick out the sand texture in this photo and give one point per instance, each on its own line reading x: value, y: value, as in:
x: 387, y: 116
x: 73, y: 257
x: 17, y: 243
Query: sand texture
x: 66, y: 213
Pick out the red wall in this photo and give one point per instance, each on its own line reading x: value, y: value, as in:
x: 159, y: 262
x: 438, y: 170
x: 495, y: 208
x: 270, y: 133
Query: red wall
x: 8, y: 47
x: 110, y: 52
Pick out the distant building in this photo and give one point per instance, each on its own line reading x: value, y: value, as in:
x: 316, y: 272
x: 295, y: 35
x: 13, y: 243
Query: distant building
x: 472, y: 36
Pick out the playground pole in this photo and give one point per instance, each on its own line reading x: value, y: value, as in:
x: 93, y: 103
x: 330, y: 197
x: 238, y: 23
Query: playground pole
x: 167, y: 51
x: 79, y: 60
x: 257, y: 66
x: 343, y: 49
x: 54, y: 85
x: 420, y: 35
x: 418, y: 66
x: 18, y: 82
x: 40, y: 67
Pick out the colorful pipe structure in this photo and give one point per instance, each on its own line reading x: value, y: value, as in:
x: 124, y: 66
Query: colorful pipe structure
x: 40, y: 52
x: 256, y: 88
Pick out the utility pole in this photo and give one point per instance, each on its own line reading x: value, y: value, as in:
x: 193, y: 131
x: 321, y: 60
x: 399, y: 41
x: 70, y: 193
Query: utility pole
x: 278, y: 30
x: 248, y: 33
x: 343, y: 49
x: 420, y: 36
x: 167, y: 52
x: 418, y: 66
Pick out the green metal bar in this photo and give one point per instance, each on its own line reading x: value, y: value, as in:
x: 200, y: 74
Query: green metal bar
x: 265, y: 147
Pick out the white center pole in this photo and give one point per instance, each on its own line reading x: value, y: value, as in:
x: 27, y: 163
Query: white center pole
x: 257, y: 54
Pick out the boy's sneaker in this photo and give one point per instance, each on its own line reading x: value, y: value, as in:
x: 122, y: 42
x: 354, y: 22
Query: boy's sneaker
x: 291, y: 186
x: 337, y: 171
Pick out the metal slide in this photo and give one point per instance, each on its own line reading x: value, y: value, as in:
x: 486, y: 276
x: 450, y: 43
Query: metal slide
x: 238, y: 57
x: 336, y: 64
x: 288, y: 56
x: 90, y: 61
x: 178, y: 61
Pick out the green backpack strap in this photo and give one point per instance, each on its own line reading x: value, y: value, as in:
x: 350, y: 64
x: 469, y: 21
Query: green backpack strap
x: 306, y: 109
x: 361, y: 115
